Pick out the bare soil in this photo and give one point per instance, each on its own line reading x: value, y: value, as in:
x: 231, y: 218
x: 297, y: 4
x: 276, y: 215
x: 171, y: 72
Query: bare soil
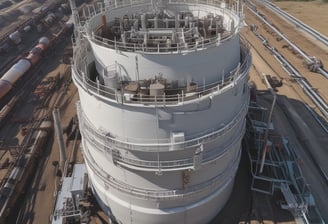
x: 313, y: 13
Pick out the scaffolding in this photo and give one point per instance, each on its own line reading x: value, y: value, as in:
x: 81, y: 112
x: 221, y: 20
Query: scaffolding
x: 281, y: 170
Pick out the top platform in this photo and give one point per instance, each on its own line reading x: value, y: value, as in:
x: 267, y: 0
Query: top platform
x: 161, y: 26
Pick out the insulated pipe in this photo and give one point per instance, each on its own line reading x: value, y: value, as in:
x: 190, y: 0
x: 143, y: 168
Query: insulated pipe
x: 60, y: 138
x: 156, y: 21
x: 143, y: 22
x: 318, y: 36
x: 316, y: 98
x: 177, y: 21
x: 303, y: 54
x: 22, y: 66
x: 104, y: 24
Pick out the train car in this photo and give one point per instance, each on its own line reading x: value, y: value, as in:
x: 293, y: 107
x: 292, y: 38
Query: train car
x: 22, y: 66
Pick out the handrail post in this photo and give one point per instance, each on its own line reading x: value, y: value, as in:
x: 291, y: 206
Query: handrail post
x: 97, y: 80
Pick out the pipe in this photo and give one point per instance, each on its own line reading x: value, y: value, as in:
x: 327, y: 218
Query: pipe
x: 60, y: 138
x: 291, y: 71
x: 104, y: 24
x: 266, y: 133
x: 303, y: 54
x: 22, y: 66
x: 318, y: 36
x: 143, y: 22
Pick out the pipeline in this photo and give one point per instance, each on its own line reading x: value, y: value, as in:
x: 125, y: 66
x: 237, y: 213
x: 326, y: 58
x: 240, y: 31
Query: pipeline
x: 317, y: 35
x: 22, y: 66
x: 291, y: 71
x: 307, y: 58
x: 22, y: 169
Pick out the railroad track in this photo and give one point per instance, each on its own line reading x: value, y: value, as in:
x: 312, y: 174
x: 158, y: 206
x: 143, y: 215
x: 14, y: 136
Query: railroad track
x: 299, y: 24
x: 37, y: 17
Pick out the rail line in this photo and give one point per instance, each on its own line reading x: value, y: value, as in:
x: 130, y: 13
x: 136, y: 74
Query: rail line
x: 299, y: 24
x: 316, y: 66
x: 37, y: 17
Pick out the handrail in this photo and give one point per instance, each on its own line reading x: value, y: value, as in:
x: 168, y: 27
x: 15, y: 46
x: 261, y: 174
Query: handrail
x: 116, y: 4
x: 91, y: 11
x: 187, y: 163
x: 212, y: 184
x: 81, y: 78
x: 156, y: 144
x: 160, y: 48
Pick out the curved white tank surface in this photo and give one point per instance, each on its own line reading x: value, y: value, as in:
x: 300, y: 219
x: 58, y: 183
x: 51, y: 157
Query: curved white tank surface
x: 5, y: 87
x: 27, y: 28
x: 15, y: 37
x: 24, y: 64
x: 44, y: 40
x: 163, y: 99
x: 16, y: 71
x: 205, y: 66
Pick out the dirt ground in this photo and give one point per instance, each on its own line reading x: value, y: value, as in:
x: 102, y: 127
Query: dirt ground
x: 243, y: 204
x: 313, y: 13
x: 298, y: 128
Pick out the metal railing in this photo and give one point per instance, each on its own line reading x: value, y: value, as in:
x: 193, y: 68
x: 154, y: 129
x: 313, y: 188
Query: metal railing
x: 204, y: 188
x: 156, y: 145
x: 283, y: 172
x: 92, y: 11
x: 81, y: 77
x: 155, y: 165
x: 294, y: 73
x: 160, y: 48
